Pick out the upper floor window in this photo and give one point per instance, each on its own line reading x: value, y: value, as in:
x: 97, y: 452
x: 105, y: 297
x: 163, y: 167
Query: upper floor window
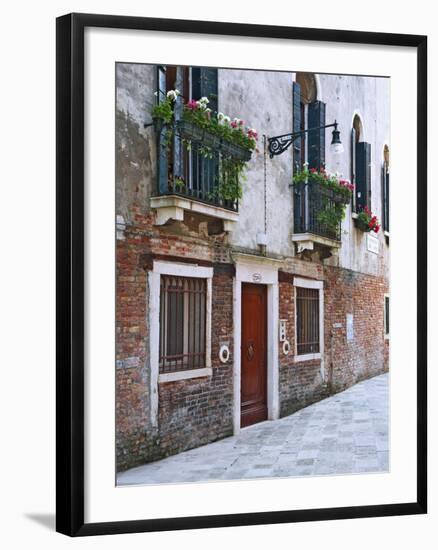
x: 308, y: 113
x: 185, y: 168
x: 360, y: 166
x: 385, y: 189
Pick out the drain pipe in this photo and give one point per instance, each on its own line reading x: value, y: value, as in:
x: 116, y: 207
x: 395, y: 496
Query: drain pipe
x: 262, y: 238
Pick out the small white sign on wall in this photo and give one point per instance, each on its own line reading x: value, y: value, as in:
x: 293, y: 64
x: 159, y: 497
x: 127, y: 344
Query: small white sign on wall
x: 372, y: 244
x: 350, y: 327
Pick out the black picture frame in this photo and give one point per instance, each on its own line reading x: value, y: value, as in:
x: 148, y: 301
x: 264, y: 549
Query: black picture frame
x: 70, y: 273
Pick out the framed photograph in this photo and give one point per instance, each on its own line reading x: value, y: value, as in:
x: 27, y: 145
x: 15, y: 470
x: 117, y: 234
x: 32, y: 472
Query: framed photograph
x: 241, y: 274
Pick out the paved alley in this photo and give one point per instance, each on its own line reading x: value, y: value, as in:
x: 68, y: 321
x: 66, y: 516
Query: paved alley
x: 345, y: 433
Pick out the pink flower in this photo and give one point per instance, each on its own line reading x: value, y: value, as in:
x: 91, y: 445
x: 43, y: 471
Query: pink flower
x: 192, y: 105
x: 233, y: 124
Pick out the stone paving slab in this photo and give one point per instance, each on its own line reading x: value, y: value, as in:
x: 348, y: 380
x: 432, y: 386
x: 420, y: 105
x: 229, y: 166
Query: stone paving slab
x: 344, y: 434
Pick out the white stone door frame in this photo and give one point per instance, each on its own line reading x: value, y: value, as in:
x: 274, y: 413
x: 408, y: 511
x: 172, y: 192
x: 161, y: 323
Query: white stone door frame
x: 257, y: 270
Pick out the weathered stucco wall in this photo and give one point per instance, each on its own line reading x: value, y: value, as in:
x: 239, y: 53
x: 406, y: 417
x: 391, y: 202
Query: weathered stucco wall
x: 136, y: 163
x: 263, y: 100
x: 368, y: 97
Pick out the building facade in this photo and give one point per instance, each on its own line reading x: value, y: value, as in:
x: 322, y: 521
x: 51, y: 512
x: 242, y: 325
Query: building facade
x: 236, y: 312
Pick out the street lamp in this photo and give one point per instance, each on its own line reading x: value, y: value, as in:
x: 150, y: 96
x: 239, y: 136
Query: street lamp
x: 278, y: 144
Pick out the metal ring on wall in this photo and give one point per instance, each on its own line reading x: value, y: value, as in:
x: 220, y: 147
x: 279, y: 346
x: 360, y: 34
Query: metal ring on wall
x: 286, y: 347
x: 224, y: 353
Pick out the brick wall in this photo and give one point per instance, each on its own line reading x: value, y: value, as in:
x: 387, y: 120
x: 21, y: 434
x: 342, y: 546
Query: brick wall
x: 367, y: 354
x: 345, y: 363
x: 191, y: 412
x: 300, y: 384
x: 198, y: 411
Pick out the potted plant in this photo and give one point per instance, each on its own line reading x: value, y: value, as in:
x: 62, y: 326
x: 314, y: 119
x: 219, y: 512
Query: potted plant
x: 212, y: 132
x: 328, y: 193
x: 366, y: 221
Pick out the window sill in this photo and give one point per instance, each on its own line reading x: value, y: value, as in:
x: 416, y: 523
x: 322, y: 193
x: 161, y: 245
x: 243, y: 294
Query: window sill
x: 307, y: 357
x: 173, y: 207
x: 184, y: 375
x: 306, y: 241
x: 354, y: 215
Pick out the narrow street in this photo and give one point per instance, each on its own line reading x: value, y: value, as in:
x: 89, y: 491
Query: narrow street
x: 343, y: 434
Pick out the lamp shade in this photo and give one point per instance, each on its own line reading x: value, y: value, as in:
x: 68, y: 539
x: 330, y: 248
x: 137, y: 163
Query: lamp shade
x: 336, y: 146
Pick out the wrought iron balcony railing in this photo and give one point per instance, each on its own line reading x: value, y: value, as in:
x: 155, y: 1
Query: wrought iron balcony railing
x: 195, y: 167
x: 311, y: 201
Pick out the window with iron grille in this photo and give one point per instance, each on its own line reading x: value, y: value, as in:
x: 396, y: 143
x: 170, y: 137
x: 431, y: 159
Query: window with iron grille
x: 182, y: 323
x: 307, y: 304
x: 386, y: 315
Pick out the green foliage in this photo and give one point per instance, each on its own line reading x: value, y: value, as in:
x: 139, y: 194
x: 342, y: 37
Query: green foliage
x: 367, y: 221
x: 343, y: 188
x: 330, y: 212
x: 179, y: 183
x: 205, y: 120
x: 163, y: 111
x: 231, y: 171
x: 231, y: 174
x: 330, y: 215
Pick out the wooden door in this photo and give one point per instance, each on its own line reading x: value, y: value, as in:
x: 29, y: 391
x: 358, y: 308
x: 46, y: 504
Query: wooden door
x: 253, y: 355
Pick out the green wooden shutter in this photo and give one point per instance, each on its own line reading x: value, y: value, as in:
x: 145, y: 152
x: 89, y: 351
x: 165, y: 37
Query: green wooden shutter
x: 353, y: 166
x: 363, y: 175
x: 205, y: 175
x: 296, y: 124
x: 316, y: 139
x: 162, y: 145
x: 385, y: 196
x: 205, y: 83
x: 178, y: 169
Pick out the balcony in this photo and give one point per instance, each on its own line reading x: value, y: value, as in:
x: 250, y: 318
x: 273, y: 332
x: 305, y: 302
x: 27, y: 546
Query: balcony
x: 313, y: 205
x: 192, y: 181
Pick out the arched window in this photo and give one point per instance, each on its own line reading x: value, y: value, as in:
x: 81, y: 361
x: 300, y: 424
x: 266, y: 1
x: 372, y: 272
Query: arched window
x: 385, y: 189
x: 360, y: 166
x: 308, y: 112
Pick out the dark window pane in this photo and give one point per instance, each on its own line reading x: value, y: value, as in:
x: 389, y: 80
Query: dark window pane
x: 386, y: 314
x: 307, y: 304
x: 182, y: 323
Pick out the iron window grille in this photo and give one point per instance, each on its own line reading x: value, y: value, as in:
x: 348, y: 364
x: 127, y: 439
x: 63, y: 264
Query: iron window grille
x: 307, y: 303
x: 182, y: 323
x: 386, y: 322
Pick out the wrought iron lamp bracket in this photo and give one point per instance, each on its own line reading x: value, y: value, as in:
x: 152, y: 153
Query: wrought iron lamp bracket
x: 278, y: 144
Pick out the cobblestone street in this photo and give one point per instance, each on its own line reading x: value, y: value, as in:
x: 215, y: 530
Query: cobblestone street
x: 345, y: 433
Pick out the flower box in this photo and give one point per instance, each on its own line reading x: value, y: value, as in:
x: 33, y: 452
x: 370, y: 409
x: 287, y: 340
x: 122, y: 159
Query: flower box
x: 235, y: 151
x: 189, y: 130
x: 192, y: 131
x: 360, y: 224
x: 341, y: 198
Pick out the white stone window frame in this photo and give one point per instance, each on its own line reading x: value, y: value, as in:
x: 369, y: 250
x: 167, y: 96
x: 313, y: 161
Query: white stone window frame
x: 318, y: 285
x: 154, y: 278
x: 386, y: 335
